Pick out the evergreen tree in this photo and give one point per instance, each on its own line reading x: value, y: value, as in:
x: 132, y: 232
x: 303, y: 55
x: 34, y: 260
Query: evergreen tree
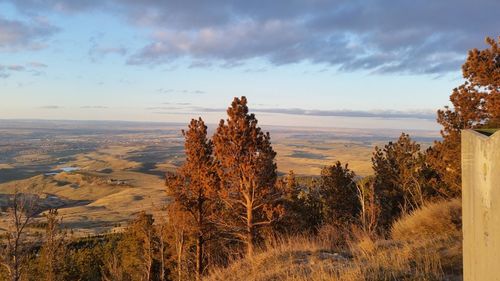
x: 369, y: 206
x: 340, y: 205
x: 302, y: 207
x: 194, y: 185
x: 132, y: 256
x: 246, y: 167
x: 476, y: 104
x: 401, y: 178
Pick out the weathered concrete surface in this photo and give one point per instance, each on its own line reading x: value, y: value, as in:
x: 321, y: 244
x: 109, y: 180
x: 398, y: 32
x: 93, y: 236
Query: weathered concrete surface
x: 481, y: 205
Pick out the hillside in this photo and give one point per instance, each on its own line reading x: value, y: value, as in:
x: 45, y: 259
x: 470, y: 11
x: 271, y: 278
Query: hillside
x: 91, y: 202
x: 425, y: 245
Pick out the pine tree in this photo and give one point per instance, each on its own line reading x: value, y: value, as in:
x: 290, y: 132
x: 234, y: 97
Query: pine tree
x: 370, y: 206
x: 194, y: 185
x: 302, y: 207
x: 292, y: 222
x: 246, y: 166
x: 339, y: 195
x: 179, y: 230
x: 161, y: 242
x: 476, y: 104
x: 132, y: 257
x: 401, y: 178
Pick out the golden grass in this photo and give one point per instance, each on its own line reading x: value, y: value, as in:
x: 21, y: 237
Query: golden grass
x: 434, y: 255
x: 106, y: 158
x: 437, y: 220
x: 287, y: 259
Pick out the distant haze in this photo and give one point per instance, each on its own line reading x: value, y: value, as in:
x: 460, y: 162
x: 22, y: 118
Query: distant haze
x: 265, y: 118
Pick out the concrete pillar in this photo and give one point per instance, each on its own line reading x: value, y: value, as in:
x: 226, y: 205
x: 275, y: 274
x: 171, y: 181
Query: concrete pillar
x: 481, y: 205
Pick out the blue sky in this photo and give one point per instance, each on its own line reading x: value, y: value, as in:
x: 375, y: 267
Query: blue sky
x: 300, y: 62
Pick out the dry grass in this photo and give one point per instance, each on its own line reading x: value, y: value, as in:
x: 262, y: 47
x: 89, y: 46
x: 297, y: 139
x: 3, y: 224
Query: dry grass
x: 437, y: 220
x: 433, y: 255
x: 288, y: 259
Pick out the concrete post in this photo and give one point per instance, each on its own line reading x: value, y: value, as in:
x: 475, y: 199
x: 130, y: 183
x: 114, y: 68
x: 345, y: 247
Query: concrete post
x: 481, y: 205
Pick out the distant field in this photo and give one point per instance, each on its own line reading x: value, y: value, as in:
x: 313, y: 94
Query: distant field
x: 121, y: 164
x: 307, y: 150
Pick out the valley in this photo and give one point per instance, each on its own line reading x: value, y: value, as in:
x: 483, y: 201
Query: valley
x: 100, y: 174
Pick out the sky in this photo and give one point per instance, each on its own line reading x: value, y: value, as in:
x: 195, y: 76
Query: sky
x: 324, y: 63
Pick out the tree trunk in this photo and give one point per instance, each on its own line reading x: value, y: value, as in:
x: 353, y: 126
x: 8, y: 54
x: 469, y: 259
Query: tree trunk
x: 16, y: 274
x: 180, y: 250
x: 149, y: 263
x: 162, y: 255
x: 200, y: 238
x: 250, y: 230
x: 199, y: 257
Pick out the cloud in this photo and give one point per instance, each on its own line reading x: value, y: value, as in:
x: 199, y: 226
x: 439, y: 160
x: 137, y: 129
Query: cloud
x: 17, y: 35
x: 164, y: 108
x: 72, y: 6
x: 428, y: 114
x: 32, y: 67
x: 36, y: 64
x: 376, y: 36
x: 97, y: 52
x: 51, y: 107
x: 165, y: 91
x: 16, y: 67
x: 417, y: 114
x: 110, y: 50
x: 93, y: 107
x: 4, y: 75
x: 178, y: 103
x: 98, y: 49
x: 382, y: 36
x: 173, y: 91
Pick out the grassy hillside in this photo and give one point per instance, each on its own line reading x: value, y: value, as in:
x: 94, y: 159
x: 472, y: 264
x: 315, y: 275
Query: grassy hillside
x: 424, y: 245
x: 91, y: 202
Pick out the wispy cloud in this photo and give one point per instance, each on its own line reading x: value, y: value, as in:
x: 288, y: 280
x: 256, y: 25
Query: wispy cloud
x: 16, y: 67
x: 36, y: 64
x: 93, y: 107
x: 51, y: 107
x: 174, y: 91
x: 99, y: 49
x: 427, y: 114
x: 178, y: 103
x: 417, y: 114
x: 35, y: 68
x: 18, y: 35
x: 170, y: 108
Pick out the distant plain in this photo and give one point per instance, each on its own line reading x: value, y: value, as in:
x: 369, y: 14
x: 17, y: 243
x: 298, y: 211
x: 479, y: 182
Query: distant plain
x: 120, y: 165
